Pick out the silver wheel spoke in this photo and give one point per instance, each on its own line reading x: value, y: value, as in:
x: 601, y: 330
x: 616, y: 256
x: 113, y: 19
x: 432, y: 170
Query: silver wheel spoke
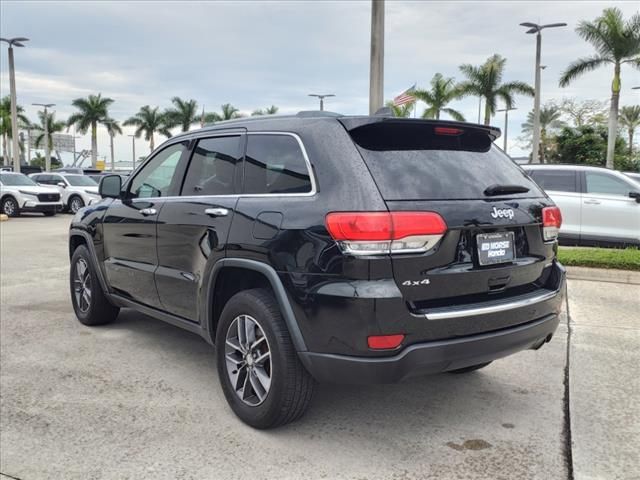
x: 232, y: 342
x: 259, y: 390
x: 263, y: 378
x: 257, y: 342
x: 232, y: 358
x: 250, y: 331
x: 242, y: 339
x: 246, y: 388
x: 261, y: 359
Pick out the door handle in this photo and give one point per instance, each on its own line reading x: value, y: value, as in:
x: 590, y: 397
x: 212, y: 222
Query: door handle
x: 148, y: 211
x: 592, y: 201
x: 217, y: 212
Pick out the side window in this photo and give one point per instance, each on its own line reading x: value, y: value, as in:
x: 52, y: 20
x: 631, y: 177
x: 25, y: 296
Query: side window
x: 556, y: 180
x: 275, y: 164
x: 212, y: 167
x: 157, y: 177
x: 606, y: 184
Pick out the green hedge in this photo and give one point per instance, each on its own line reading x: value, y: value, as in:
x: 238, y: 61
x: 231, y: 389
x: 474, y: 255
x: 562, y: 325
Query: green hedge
x: 623, y: 259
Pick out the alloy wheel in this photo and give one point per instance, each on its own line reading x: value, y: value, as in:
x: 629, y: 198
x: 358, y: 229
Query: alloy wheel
x: 76, y: 204
x: 248, y: 360
x: 9, y: 207
x: 82, y: 285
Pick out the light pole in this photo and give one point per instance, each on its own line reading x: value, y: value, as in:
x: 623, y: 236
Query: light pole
x: 479, y: 108
x: 537, y: 29
x: 18, y: 42
x: 47, y: 147
x: 506, y: 124
x: 376, y: 66
x: 322, y: 97
x: 133, y: 148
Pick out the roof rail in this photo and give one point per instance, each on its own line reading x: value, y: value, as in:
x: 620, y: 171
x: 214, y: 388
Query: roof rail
x: 317, y: 113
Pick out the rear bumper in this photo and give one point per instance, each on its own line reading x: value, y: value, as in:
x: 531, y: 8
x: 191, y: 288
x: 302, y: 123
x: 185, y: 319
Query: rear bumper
x: 431, y: 357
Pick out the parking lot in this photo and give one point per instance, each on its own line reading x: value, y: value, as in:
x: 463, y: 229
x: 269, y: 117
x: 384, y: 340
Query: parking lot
x: 140, y: 399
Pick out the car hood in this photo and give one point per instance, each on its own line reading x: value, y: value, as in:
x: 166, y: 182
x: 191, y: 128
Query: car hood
x: 91, y: 190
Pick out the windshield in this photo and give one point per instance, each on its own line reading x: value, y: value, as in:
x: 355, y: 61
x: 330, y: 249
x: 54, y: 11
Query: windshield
x: 80, y: 181
x: 16, y: 179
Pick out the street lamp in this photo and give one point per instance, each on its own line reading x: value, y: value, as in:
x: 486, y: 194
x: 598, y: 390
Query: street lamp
x: 322, y: 97
x: 18, y: 42
x: 506, y: 124
x: 47, y: 151
x: 537, y: 29
x: 133, y: 148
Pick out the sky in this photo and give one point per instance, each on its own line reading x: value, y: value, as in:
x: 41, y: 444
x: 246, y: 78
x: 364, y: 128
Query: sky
x: 255, y: 54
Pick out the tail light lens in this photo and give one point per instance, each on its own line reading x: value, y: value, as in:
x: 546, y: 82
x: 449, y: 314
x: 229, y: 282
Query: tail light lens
x: 384, y: 342
x: 551, y: 223
x: 375, y: 233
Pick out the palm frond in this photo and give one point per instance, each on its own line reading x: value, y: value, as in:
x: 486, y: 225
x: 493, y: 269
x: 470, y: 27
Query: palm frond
x: 580, y: 67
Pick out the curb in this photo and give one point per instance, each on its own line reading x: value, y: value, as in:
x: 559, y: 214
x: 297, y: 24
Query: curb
x: 603, y: 275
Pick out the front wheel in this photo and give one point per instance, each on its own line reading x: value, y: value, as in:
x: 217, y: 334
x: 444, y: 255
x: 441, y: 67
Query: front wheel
x: 89, y: 301
x: 261, y: 376
x: 10, y: 207
x: 75, y: 204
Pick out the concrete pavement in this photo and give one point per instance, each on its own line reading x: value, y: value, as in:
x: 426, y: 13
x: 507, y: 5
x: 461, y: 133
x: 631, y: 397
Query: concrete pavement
x: 140, y: 399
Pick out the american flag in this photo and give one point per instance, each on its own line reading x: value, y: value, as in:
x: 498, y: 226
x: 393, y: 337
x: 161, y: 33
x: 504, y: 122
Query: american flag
x: 405, y: 97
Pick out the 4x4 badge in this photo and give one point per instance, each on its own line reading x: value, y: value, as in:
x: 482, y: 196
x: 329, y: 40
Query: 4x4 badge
x: 415, y: 283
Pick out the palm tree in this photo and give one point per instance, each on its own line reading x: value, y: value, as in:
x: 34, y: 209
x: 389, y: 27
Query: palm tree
x: 92, y: 111
x: 616, y: 42
x: 485, y: 81
x: 549, y: 120
x: 402, y: 111
x: 228, y: 112
x: 272, y: 110
x: 49, y: 124
x: 630, y: 119
x: 113, y: 129
x: 184, y: 113
x: 148, y: 121
x: 5, y: 124
x: 442, y: 91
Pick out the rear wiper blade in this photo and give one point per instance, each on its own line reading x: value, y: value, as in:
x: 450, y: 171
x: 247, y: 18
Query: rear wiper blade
x: 492, y: 190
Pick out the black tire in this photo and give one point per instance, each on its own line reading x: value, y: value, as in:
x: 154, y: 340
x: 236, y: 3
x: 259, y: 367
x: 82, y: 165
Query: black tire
x: 291, y: 386
x: 10, y: 207
x: 75, y: 204
x: 97, y: 310
x: 471, y: 368
x: 50, y: 213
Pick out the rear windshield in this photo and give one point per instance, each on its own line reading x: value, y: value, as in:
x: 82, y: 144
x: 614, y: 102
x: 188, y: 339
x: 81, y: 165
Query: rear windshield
x: 437, y: 167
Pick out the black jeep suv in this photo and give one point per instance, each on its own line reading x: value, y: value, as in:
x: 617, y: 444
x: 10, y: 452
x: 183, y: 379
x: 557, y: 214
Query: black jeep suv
x: 320, y: 247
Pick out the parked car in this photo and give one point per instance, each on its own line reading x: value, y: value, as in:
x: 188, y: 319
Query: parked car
x: 599, y: 206
x: 75, y: 190
x: 326, y: 248
x: 19, y: 193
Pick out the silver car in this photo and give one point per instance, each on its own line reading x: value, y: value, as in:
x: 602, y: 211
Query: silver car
x: 598, y: 205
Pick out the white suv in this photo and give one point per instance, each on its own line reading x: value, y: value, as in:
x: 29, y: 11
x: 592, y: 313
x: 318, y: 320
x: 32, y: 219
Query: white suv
x: 598, y: 205
x: 76, y: 190
x: 18, y: 193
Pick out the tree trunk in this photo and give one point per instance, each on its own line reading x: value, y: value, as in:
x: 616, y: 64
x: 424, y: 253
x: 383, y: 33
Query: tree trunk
x: 94, y: 144
x: 4, y: 150
x: 487, y: 112
x: 613, y: 116
x: 151, y: 144
x: 543, y: 144
x: 630, y: 143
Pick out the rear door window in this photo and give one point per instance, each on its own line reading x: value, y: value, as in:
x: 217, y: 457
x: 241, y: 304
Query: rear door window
x: 410, y: 161
x: 212, y: 167
x: 604, y: 184
x: 556, y: 180
x: 275, y: 163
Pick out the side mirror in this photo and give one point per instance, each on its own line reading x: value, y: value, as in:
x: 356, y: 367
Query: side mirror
x: 110, y: 186
x: 635, y: 195
x: 62, y: 184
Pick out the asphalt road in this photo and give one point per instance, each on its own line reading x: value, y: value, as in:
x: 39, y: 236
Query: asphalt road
x: 140, y: 399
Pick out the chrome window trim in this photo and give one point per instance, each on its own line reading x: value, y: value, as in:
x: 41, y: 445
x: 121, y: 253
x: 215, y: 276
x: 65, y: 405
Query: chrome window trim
x: 312, y: 178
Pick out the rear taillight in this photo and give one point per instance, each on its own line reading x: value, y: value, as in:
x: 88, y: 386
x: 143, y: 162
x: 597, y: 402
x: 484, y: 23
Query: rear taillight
x: 374, y: 233
x: 551, y: 223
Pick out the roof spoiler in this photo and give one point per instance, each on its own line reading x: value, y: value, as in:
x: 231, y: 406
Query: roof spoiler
x: 351, y: 123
